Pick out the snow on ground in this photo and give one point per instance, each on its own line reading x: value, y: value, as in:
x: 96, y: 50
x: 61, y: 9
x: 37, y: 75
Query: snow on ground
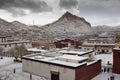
x: 105, y: 58
x: 7, y: 67
x: 105, y: 75
x: 6, y: 61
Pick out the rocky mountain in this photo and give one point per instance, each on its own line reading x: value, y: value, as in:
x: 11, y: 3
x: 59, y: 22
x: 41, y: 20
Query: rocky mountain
x: 20, y: 25
x: 117, y: 28
x: 102, y: 28
x: 12, y: 26
x: 105, y: 28
x: 5, y: 26
x: 67, y: 26
x: 15, y: 29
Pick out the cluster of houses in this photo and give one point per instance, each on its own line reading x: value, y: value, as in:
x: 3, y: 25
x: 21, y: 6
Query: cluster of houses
x: 101, y: 44
x: 104, y: 43
x: 65, y: 59
x: 70, y: 60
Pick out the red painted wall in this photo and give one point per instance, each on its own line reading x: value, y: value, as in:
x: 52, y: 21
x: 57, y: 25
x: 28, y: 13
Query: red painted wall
x: 59, y: 45
x: 116, y: 61
x: 94, y: 69
x: 81, y: 73
x: 88, y: 72
x: 35, y: 44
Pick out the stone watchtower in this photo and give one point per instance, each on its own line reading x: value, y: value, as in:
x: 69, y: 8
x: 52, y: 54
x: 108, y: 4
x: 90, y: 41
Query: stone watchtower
x: 116, y: 60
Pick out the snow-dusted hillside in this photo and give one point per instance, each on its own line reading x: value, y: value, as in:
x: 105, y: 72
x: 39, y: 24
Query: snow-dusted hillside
x: 5, y: 26
x: 67, y: 25
x: 12, y: 26
x: 20, y: 25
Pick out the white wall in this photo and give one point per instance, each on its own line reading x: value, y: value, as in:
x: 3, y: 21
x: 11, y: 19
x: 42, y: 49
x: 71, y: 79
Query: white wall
x: 13, y: 45
x: 43, y: 69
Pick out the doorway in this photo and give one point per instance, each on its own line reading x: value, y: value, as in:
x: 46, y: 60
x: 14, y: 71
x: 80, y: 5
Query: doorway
x: 103, y: 51
x: 54, y: 75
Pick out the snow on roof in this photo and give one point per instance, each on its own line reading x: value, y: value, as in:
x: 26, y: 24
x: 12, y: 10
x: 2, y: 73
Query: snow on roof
x: 55, y: 60
x: 60, y: 59
x: 74, y: 52
x: 89, y: 63
x: 36, y: 50
x: 72, y: 57
x: 68, y: 63
x: 117, y: 48
x: 38, y: 57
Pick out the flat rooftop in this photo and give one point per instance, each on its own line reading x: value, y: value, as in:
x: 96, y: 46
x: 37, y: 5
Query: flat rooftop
x: 76, y: 52
x: 36, y: 50
x: 14, y: 42
x: 71, y: 61
x: 72, y: 57
x: 53, y: 60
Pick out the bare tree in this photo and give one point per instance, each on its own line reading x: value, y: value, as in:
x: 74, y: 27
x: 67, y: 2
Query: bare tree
x: 22, y: 50
x: 18, y: 51
x: 13, y: 53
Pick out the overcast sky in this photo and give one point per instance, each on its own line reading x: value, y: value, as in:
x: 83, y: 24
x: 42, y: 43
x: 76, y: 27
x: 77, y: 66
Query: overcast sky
x: 97, y: 12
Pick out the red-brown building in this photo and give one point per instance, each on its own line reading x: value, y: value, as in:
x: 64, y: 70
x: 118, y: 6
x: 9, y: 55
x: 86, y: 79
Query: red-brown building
x: 116, y: 60
x: 89, y: 71
x: 67, y: 43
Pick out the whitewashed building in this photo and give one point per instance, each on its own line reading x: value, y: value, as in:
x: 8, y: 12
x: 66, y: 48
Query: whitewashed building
x: 54, y: 66
x: 102, y: 44
x: 8, y: 43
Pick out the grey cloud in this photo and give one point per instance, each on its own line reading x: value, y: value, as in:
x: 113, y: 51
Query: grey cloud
x: 18, y: 6
x: 68, y: 4
x: 93, y: 7
x: 100, y: 7
x: 16, y: 12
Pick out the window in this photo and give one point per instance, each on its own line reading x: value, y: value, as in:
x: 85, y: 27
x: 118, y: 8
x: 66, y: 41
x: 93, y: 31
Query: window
x: 5, y: 45
x: 9, y: 45
x: 16, y: 44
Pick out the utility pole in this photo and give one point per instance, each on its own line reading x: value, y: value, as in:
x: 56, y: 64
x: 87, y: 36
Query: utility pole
x: 33, y: 22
